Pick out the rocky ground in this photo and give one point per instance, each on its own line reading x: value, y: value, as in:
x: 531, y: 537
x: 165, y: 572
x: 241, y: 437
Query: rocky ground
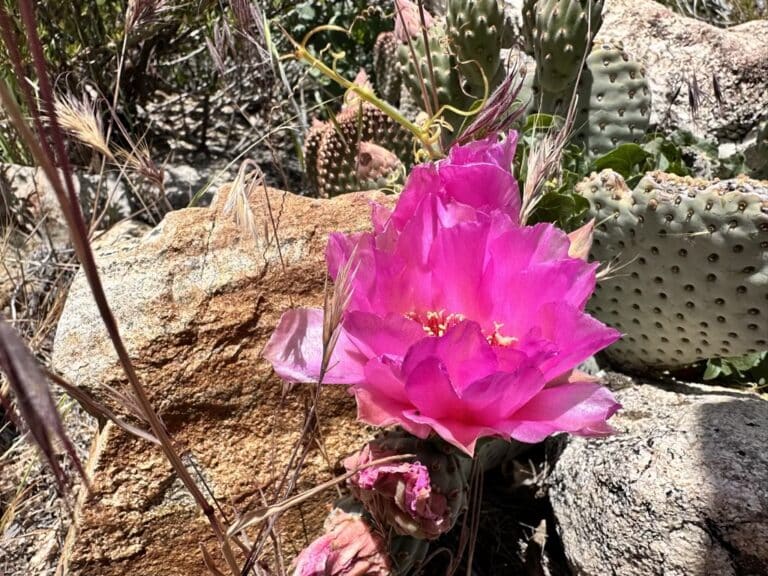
x: 681, y: 489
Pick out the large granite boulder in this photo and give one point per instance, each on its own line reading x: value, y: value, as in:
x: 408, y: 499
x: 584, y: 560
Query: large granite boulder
x: 196, y: 299
x: 678, y: 51
x: 681, y: 489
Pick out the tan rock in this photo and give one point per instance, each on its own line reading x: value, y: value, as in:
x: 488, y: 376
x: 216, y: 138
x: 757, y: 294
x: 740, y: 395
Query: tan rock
x: 196, y: 300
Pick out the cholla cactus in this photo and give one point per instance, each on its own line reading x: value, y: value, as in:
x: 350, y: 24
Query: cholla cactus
x: 422, y: 499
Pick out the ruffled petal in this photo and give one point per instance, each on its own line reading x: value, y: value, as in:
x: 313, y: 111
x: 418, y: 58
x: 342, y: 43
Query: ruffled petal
x: 489, y: 150
x: 578, y: 408
x: 519, y: 294
x: 463, y: 354
x: 456, y: 258
x: 381, y: 399
x: 574, y: 334
x: 422, y: 181
x: 484, y: 187
x: 376, y: 336
x: 295, y: 350
x: 460, y: 434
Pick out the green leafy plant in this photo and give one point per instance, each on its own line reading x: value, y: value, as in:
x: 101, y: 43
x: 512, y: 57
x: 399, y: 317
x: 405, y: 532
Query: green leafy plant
x: 750, y: 368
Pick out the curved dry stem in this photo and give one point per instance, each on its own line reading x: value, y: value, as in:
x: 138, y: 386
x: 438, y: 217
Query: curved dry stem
x: 303, y: 54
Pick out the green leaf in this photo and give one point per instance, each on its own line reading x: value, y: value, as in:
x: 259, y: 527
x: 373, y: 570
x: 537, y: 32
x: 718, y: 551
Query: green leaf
x: 539, y: 122
x: 627, y: 160
x: 561, y: 208
x: 748, y: 368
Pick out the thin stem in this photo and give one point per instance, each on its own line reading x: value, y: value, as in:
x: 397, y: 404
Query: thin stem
x: 301, y: 53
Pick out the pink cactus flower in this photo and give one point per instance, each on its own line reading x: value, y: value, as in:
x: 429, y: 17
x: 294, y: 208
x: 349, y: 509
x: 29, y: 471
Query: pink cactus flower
x: 461, y: 321
x: 349, y: 547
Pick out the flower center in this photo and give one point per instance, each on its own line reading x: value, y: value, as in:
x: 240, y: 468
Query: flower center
x: 437, y: 323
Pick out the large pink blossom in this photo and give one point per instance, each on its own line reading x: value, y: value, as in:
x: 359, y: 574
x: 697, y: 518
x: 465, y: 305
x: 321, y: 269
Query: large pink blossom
x: 461, y: 321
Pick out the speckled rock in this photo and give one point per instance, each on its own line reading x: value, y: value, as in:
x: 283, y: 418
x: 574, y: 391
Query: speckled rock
x: 196, y: 299
x: 677, y: 50
x: 680, y: 490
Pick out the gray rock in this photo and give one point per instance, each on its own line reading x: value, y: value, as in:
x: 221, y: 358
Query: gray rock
x: 30, y: 187
x: 679, y: 52
x: 681, y: 489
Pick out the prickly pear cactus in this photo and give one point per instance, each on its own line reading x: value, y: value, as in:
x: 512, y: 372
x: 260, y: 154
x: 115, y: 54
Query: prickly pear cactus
x: 614, y: 101
x: 387, y: 67
x: 692, y: 281
x: 563, y: 32
x: 441, y: 78
x: 360, y: 150
x: 529, y: 25
x: 475, y: 30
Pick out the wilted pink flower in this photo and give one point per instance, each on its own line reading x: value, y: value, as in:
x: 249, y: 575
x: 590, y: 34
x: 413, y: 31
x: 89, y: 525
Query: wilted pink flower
x: 403, y: 495
x: 461, y: 321
x: 349, y: 547
x: 408, y: 23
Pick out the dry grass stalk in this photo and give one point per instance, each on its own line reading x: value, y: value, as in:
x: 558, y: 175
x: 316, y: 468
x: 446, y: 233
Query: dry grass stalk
x: 238, y: 204
x: 142, y: 13
x: 334, y: 307
x: 35, y: 403
x: 78, y: 118
x: 262, y: 514
x: 51, y: 155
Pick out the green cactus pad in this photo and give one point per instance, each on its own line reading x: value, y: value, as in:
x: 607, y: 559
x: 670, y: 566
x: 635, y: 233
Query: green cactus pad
x: 387, y: 67
x: 444, y: 70
x: 475, y: 31
x: 614, y: 101
x: 563, y: 33
x: 529, y: 25
x: 692, y: 281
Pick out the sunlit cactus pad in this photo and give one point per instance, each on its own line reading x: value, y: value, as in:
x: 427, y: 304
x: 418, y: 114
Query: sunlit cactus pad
x: 614, y: 100
x: 690, y: 279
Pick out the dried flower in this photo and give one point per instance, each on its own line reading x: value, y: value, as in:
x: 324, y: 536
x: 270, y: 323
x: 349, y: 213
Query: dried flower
x: 461, y: 321
x: 421, y: 499
x: 350, y: 547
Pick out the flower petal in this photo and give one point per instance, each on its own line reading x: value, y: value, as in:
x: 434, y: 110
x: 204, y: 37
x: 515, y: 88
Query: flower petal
x: 295, y: 350
x: 578, y: 408
x: 488, y: 150
x: 376, y: 336
x: 575, y: 335
x: 381, y: 399
x: 463, y: 354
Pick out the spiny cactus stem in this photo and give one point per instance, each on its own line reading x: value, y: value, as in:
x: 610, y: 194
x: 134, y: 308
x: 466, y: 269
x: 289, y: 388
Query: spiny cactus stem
x: 301, y: 53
